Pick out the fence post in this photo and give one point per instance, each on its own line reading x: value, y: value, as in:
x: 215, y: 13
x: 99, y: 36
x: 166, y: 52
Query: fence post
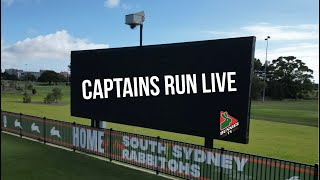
x: 316, y: 171
x: 157, y: 169
x: 221, y: 156
x: 1, y: 120
x: 20, y: 125
x: 110, y: 144
x: 97, y: 140
x: 73, y: 143
x: 44, y: 129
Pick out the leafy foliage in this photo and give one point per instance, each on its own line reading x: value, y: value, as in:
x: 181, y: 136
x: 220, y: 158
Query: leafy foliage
x: 57, y: 94
x: 29, y: 77
x: 256, y: 87
x: 18, y: 88
x: 49, y: 98
x: 54, y: 96
x: 34, y: 91
x: 290, y: 79
x: 257, y: 80
x: 286, y: 78
x: 26, y: 98
x: 28, y: 86
x: 51, y: 77
x: 7, y: 76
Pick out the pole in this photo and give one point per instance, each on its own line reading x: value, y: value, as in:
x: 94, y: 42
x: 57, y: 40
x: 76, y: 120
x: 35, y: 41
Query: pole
x: 92, y: 123
x: 44, y: 130
x: 316, y: 171
x: 20, y: 129
x: 208, y: 142
x: 221, y: 160
x: 265, y: 73
x: 110, y: 144
x: 141, y: 27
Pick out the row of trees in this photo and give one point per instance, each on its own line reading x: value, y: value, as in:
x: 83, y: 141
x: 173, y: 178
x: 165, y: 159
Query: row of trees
x: 47, y: 76
x: 286, y: 78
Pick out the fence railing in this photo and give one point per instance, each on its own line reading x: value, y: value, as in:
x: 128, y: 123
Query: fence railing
x: 166, y: 156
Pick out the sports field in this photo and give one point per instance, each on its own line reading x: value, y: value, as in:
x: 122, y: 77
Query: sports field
x: 26, y: 159
x: 280, y: 129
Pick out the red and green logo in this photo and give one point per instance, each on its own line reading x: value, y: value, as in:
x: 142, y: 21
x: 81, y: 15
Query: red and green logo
x: 228, y: 124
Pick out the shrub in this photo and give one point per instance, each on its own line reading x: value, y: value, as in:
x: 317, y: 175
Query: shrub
x: 12, y: 84
x: 49, y: 99
x: 34, y: 91
x: 57, y: 94
x: 18, y: 88
x: 29, y: 86
x: 54, y: 96
x: 26, y: 98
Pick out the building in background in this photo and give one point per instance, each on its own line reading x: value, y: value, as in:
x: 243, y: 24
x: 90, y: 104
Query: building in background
x: 25, y: 73
x: 21, y: 74
x: 16, y: 72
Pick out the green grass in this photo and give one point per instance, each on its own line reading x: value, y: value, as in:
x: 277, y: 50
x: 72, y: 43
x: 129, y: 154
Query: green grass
x: 25, y: 159
x: 304, y: 112
x: 279, y: 129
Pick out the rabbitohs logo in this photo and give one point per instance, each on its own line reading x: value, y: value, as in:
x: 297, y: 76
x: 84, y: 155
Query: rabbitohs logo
x: 228, y: 124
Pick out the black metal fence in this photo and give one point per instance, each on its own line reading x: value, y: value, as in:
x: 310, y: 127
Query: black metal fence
x: 166, y: 156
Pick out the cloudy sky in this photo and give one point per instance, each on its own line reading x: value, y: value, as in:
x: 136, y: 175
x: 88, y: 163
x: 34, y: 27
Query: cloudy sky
x: 39, y: 34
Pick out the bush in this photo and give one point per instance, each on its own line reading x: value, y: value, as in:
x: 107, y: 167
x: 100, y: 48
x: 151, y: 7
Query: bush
x: 12, y: 84
x: 26, y: 98
x: 49, y: 99
x: 29, y: 86
x: 57, y: 94
x: 18, y: 88
x: 34, y: 91
x: 54, y: 96
x: 256, y: 87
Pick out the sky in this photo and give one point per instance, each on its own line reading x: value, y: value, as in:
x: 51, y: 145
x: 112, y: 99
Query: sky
x: 40, y: 34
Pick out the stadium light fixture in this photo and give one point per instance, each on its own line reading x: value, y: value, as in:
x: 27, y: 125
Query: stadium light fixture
x: 134, y: 20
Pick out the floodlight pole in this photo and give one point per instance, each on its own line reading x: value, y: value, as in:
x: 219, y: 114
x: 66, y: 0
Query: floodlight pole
x: 208, y: 142
x: 141, y: 27
x: 265, y: 71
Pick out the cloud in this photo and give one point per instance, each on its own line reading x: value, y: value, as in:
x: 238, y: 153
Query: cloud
x: 223, y: 33
x: 283, y: 33
x: 301, y: 41
x: 7, y: 2
x: 52, y: 50
x: 111, y: 3
x: 126, y: 6
x: 277, y: 33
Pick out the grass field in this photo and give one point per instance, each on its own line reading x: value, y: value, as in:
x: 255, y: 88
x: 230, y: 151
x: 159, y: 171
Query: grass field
x: 280, y: 129
x: 287, y: 111
x: 51, y: 163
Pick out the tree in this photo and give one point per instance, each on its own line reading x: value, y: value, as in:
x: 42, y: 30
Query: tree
x: 29, y: 77
x: 7, y: 76
x: 49, y: 76
x: 62, y: 78
x: 257, y: 79
x: 57, y: 94
x: 26, y: 98
x: 49, y: 99
x: 256, y: 87
x: 291, y: 78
